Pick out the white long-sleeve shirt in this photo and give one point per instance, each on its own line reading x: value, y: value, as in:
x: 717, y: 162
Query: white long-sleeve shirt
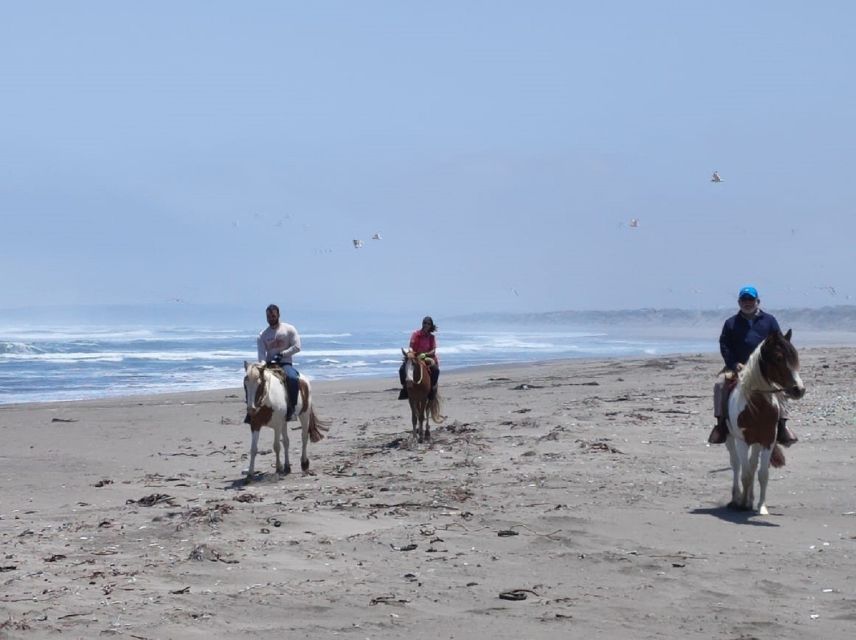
x: 282, y: 340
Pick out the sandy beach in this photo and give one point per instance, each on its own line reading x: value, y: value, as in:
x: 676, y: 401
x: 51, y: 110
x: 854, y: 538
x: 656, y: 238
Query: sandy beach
x: 572, y: 499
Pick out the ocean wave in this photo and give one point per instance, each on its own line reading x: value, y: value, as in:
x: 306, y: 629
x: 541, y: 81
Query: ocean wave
x: 18, y: 348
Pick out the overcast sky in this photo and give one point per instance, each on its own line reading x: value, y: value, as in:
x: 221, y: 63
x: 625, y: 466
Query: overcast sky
x: 226, y: 152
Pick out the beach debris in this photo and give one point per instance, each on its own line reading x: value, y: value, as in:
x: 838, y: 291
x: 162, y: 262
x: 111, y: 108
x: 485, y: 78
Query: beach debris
x: 407, y: 547
x: 152, y: 500
x: 248, y: 497
x: 715, y: 177
x: 204, y: 552
x: 516, y: 594
x: 180, y: 591
x: 598, y: 446
x: 358, y: 244
x: 63, y: 419
x: 8, y: 567
x: 103, y: 483
x: 526, y: 387
x: 55, y: 557
x: 505, y: 533
x: 394, y: 444
x: 392, y: 599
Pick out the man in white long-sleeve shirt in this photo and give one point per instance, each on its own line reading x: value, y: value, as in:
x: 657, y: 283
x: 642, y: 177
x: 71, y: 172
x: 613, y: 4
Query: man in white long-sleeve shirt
x: 277, y: 345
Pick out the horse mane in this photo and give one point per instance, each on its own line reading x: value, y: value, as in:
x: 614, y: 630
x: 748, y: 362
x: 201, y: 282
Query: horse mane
x: 751, y: 377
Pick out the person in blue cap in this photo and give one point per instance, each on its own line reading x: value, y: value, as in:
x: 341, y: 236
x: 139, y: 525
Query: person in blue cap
x: 741, y: 334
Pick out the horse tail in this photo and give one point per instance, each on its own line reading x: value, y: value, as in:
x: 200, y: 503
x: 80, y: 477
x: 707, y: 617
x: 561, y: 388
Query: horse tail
x: 434, y: 408
x: 317, y: 426
x: 777, y: 457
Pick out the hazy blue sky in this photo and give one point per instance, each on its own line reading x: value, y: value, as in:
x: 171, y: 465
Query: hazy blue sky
x: 226, y: 152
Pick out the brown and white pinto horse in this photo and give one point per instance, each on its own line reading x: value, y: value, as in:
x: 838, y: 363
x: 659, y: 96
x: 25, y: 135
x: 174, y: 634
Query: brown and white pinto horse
x: 417, y: 379
x: 267, y: 404
x: 753, y: 416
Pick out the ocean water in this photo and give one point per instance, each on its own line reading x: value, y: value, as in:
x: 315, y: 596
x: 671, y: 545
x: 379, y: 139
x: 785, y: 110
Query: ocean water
x: 88, y: 361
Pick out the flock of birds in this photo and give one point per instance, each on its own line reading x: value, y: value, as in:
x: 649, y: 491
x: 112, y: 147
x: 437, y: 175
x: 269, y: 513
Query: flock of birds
x: 358, y: 244
x: 715, y: 178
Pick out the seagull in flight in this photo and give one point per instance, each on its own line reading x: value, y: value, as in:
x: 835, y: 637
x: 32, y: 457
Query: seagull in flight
x: 634, y: 223
x: 376, y: 236
x: 715, y: 177
x: 358, y: 244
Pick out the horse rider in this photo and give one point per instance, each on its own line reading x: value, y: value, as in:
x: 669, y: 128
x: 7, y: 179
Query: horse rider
x: 277, y: 345
x: 741, y: 334
x: 423, y: 343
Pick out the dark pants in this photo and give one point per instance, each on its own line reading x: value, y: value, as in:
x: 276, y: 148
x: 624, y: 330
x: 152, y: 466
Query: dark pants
x: 292, y: 385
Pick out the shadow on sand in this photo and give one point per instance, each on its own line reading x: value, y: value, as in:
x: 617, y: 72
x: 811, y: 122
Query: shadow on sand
x: 728, y: 514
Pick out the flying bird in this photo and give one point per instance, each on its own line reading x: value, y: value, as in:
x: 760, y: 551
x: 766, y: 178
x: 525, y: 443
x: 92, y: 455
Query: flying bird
x: 358, y: 244
x: 715, y: 177
x: 376, y: 236
x: 634, y: 223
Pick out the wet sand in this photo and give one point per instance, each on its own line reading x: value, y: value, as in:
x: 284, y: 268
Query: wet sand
x: 566, y: 499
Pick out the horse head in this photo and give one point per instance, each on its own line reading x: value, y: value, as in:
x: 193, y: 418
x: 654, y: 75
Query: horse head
x: 781, y: 364
x: 254, y: 385
x: 413, y: 368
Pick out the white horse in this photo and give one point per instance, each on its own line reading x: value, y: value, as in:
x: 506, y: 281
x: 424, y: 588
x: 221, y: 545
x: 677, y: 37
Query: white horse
x: 267, y: 404
x: 753, y: 416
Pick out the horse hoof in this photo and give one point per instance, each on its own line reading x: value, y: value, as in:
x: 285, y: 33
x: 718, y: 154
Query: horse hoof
x: 763, y: 511
x: 248, y: 480
x: 286, y: 470
x: 304, y: 464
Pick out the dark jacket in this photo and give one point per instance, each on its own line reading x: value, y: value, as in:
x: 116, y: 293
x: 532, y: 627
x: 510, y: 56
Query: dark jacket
x: 740, y: 336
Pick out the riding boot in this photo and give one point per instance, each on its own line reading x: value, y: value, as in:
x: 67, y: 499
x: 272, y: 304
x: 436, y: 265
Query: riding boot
x: 402, y: 395
x: 247, y: 418
x: 784, y: 436
x: 719, y: 434
x: 432, y: 394
x: 289, y: 414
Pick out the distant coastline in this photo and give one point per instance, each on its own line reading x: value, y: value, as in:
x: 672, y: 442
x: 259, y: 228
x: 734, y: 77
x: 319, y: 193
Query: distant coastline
x: 841, y: 318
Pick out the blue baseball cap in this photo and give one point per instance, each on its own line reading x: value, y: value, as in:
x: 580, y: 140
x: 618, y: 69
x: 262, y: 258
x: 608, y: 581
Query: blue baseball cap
x: 748, y: 292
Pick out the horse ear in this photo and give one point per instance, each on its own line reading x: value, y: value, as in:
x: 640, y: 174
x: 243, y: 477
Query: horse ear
x: 246, y: 365
x: 403, y: 352
x: 788, y: 335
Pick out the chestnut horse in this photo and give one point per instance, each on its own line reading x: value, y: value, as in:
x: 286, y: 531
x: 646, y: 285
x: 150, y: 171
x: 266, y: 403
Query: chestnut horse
x: 417, y: 379
x: 753, y: 416
x: 267, y: 404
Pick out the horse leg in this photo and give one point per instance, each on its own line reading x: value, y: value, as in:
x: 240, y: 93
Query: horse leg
x: 748, y: 477
x: 421, y: 411
x: 277, y: 431
x: 304, y: 418
x: 254, y: 448
x: 735, y: 473
x: 413, y: 415
x: 286, y: 467
x: 427, y: 423
x: 763, y: 476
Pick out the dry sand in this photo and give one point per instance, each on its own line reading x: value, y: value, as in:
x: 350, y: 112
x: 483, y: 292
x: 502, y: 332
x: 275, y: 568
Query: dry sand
x: 586, y: 486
